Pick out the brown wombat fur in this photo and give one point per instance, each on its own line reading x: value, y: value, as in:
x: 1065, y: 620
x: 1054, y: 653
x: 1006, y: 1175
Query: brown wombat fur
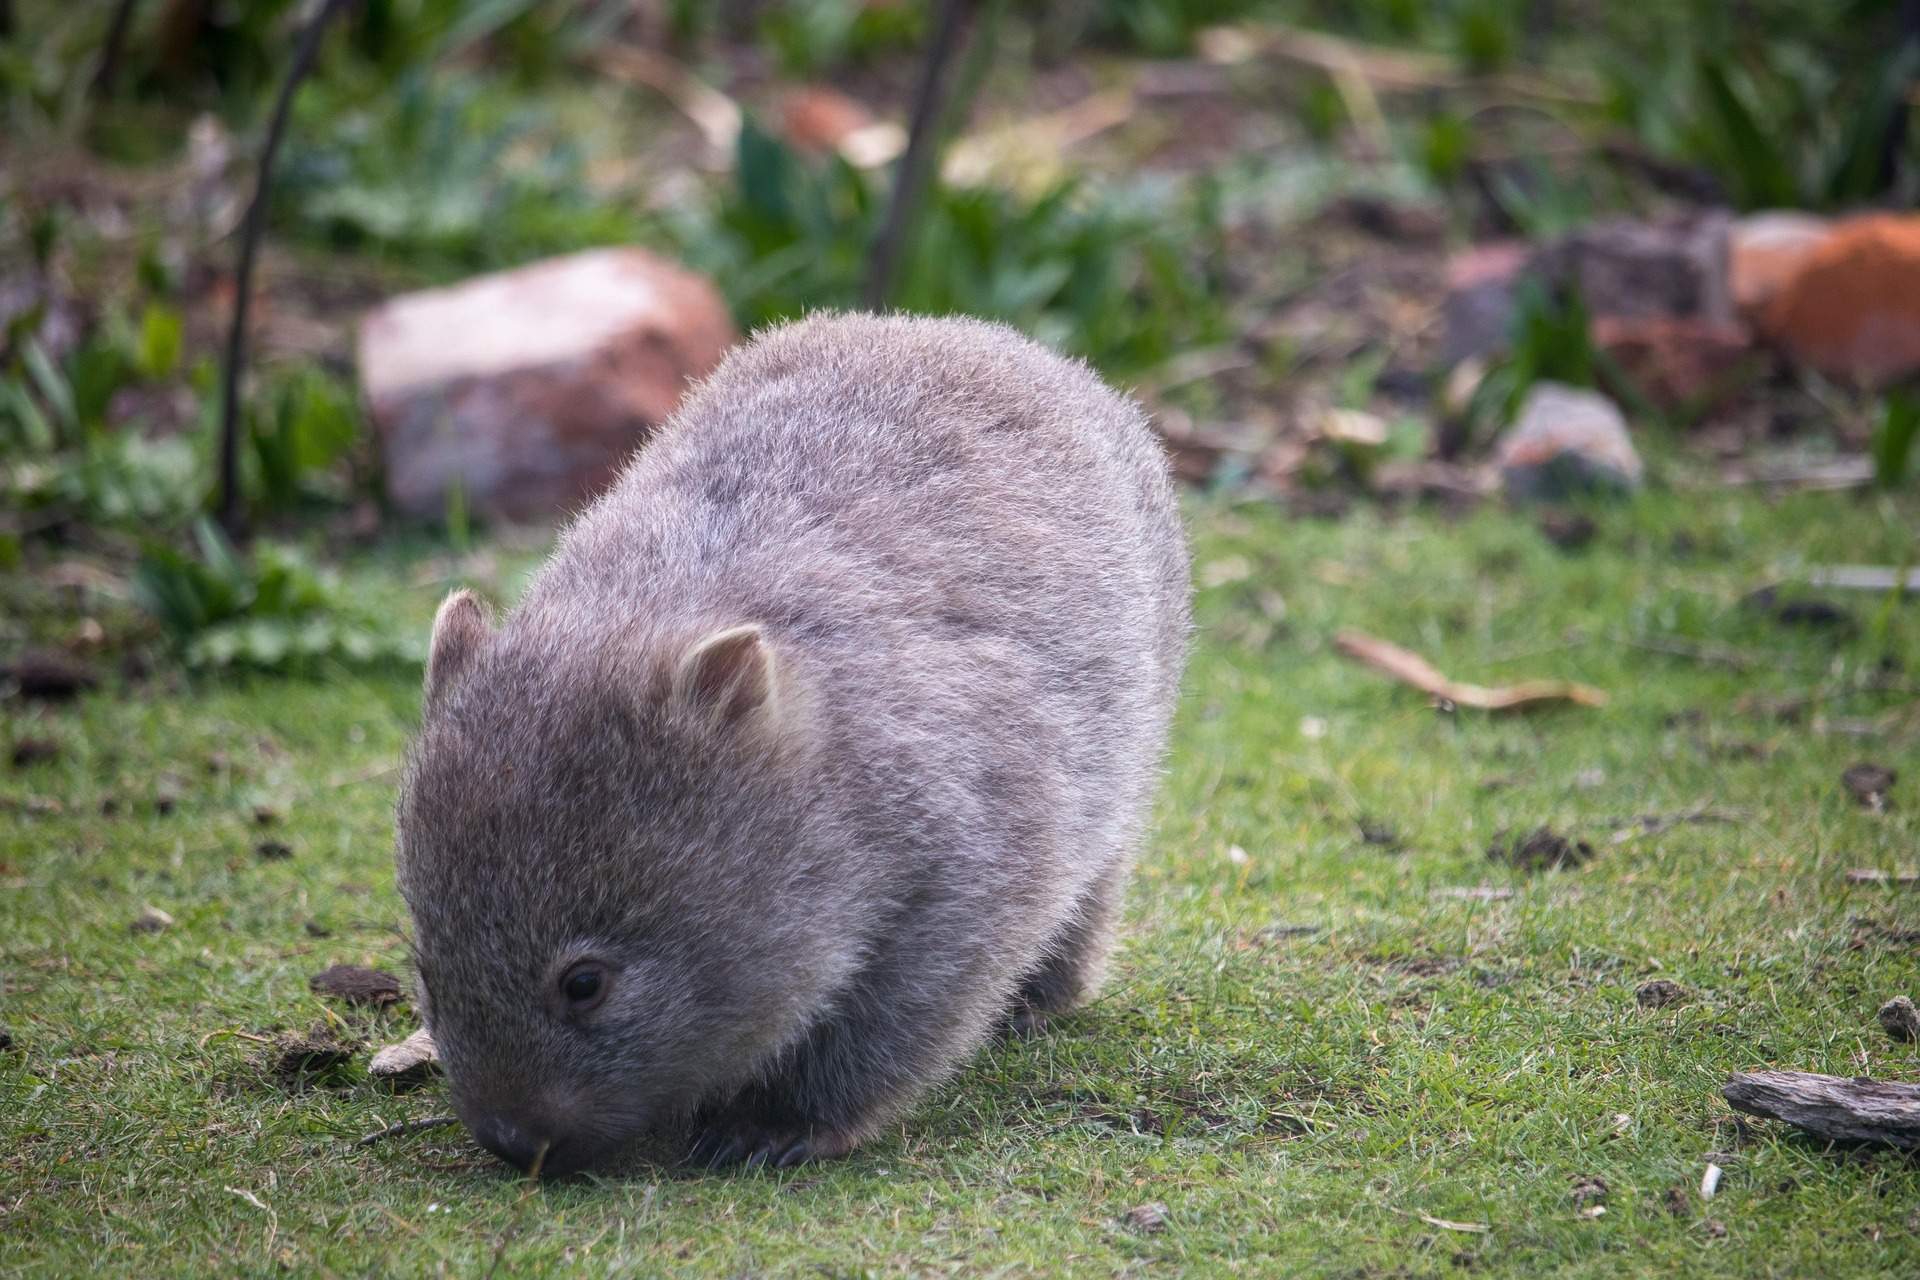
x: 819, y: 749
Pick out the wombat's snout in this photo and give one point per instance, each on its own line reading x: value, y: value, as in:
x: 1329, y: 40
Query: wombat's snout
x: 529, y: 1140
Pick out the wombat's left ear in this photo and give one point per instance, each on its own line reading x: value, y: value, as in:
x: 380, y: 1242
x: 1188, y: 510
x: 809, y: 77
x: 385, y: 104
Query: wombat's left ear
x: 460, y: 629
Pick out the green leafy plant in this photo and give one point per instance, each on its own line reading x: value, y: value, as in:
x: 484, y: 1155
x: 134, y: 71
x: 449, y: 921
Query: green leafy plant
x: 311, y: 425
x: 1782, y: 116
x: 1162, y: 28
x: 1486, y: 33
x: 266, y: 610
x: 811, y: 37
x: 1894, y: 435
x: 442, y: 171
x: 1115, y: 284
x: 118, y: 480
x: 1550, y: 341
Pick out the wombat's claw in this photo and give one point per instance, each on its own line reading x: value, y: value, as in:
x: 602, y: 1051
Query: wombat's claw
x: 717, y: 1148
x: 1025, y: 1023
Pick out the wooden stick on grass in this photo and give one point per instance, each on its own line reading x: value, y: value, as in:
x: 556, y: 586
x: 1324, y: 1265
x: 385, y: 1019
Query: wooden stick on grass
x: 405, y: 1128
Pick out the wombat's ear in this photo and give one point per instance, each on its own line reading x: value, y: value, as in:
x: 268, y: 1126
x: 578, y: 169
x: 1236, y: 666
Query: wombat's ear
x: 459, y: 630
x: 728, y: 677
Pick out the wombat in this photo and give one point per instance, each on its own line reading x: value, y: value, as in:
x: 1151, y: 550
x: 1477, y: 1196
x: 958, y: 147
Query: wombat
x: 818, y: 750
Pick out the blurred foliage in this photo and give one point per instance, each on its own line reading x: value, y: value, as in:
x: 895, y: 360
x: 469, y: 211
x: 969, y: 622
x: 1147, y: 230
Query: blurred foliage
x: 442, y: 173
x: 1098, y: 276
x: 266, y: 610
x: 822, y: 36
x: 1892, y: 446
x: 1788, y: 105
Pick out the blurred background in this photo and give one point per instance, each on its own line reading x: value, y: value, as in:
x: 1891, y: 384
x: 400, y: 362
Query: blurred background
x: 1335, y: 247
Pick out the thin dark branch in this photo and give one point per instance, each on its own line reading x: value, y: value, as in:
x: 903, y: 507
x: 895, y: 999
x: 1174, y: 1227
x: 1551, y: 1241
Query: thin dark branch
x: 406, y: 1128
x: 916, y: 165
x: 1893, y: 146
x: 303, y: 59
x: 115, y: 45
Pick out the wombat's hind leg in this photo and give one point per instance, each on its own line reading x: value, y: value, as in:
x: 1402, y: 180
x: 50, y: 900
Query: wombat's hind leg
x: 1076, y: 959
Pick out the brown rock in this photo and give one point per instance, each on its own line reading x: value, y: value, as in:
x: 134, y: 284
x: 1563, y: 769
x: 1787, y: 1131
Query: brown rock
x: 1679, y: 363
x: 816, y: 118
x: 1625, y: 267
x: 1149, y: 1218
x: 151, y: 920
x: 527, y: 389
x: 1477, y: 316
x: 1852, y: 310
x: 1766, y: 250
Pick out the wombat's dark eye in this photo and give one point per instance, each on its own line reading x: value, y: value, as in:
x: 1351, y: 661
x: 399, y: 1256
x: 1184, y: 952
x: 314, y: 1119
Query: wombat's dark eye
x: 583, y: 985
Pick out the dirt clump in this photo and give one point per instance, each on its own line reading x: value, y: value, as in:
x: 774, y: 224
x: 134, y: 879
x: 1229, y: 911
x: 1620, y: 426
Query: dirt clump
x: 356, y: 984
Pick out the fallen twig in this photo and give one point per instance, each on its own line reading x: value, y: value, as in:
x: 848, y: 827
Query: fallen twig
x: 406, y: 1128
x: 1648, y: 824
x: 1894, y: 879
x: 1713, y: 654
x: 1831, y: 1107
x: 1410, y: 668
x: 1392, y: 69
x: 1851, y: 472
x: 1865, y: 577
x: 1475, y: 892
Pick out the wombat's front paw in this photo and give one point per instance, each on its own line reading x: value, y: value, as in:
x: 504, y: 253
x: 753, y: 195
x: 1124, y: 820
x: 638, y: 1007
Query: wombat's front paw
x: 754, y: 1144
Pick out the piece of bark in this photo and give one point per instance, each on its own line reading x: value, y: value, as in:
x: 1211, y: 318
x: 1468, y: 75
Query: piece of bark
x: 409, y: 1062
x: 1831, y: 1107
x: 1410, y: 668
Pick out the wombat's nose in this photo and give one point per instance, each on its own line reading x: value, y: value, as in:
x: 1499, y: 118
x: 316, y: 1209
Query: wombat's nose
x: 517, y: 1146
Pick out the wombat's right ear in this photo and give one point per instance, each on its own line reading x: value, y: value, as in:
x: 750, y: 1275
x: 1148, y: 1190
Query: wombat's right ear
x: 459, y: 630
x: 729, y: 677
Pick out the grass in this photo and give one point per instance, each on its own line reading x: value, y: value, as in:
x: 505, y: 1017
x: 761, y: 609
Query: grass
x: 1304, y: 1103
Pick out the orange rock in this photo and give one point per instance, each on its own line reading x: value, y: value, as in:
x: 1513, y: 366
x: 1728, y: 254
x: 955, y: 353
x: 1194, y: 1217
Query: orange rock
x: 1766, y: 250
x: 1679, y: 364
x: 527, y: 389
x: 1852, y: 311
x: 816, y: 118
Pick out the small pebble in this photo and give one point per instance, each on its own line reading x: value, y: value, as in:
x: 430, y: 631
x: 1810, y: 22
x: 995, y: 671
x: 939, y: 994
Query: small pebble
x: 151, y: 920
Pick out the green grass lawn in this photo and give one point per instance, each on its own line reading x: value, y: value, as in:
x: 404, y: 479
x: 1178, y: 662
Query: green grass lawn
x: 1315, y: 1054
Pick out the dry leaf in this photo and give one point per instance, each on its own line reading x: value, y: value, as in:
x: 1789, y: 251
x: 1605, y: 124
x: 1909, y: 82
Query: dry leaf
x: 1410, y: 668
